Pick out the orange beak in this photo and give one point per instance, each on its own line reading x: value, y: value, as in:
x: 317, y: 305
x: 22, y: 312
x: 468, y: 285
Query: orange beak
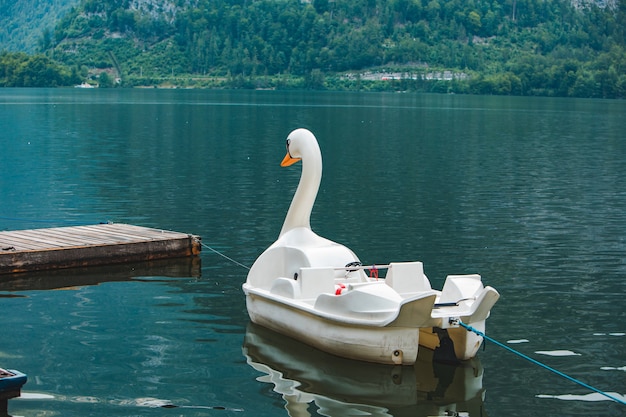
x: 288, y: 160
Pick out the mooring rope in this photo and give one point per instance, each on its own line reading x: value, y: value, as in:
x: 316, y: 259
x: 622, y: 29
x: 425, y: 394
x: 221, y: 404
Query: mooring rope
x: 224, y: 256
x: 536, y: 362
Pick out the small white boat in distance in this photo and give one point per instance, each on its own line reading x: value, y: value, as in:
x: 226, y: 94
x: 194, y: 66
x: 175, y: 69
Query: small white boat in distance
x: 84, y: 85
x: 316, y: 290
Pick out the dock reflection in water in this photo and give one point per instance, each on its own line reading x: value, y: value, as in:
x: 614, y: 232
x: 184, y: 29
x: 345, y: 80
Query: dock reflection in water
x: 94, y: 275
x: 342, y: 387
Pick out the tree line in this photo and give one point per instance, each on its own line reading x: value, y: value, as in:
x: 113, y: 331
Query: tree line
x: 518, y: 47
x: 18, y: 69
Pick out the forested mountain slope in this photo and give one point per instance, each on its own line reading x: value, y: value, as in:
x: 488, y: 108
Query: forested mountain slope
x: 23, y: 22
x: 520, y: 47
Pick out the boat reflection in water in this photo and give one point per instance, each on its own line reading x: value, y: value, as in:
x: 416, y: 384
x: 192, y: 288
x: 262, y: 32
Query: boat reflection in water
x: 343, y: 387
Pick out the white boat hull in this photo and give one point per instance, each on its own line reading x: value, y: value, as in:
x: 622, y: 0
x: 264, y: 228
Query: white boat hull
x: 389, y: 345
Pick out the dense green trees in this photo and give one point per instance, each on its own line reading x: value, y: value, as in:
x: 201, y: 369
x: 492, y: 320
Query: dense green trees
x: 18, y: 69
x: 526, y: 47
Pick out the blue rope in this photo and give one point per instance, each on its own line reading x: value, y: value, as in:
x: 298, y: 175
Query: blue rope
x: 528, y: 358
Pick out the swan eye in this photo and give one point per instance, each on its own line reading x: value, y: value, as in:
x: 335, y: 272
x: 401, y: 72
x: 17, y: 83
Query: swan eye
x: 288, y: 142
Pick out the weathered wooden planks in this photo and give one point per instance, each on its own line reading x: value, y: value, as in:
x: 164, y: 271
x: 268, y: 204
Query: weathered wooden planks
x: 80, y: 246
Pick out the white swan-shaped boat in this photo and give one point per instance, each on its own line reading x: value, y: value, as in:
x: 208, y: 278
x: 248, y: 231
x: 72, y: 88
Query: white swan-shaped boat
x: 315, y: 290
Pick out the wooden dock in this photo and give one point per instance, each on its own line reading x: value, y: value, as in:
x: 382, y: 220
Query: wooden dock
x: 82, y: 246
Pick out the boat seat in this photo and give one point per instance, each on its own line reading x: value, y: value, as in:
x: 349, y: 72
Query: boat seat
x: 310, y: 283
x: 372, y: 301
x: 407, y: 277
x: 286, y: 287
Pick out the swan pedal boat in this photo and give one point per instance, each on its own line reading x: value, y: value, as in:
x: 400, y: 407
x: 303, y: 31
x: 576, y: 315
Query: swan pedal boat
x: 317, y: 291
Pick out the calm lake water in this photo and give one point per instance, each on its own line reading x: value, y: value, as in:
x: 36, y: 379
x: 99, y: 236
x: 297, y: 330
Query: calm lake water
x: 528, y: 192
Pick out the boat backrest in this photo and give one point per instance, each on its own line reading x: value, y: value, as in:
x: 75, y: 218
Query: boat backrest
x: 315, y: 281
x: 407, y: 277
x: 460, y: 287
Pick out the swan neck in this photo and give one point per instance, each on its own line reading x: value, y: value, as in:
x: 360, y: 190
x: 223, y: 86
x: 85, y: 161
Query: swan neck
x: 299, y: 214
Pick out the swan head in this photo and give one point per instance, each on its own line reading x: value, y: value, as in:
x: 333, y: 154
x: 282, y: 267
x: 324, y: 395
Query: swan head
x: 301, y: 143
